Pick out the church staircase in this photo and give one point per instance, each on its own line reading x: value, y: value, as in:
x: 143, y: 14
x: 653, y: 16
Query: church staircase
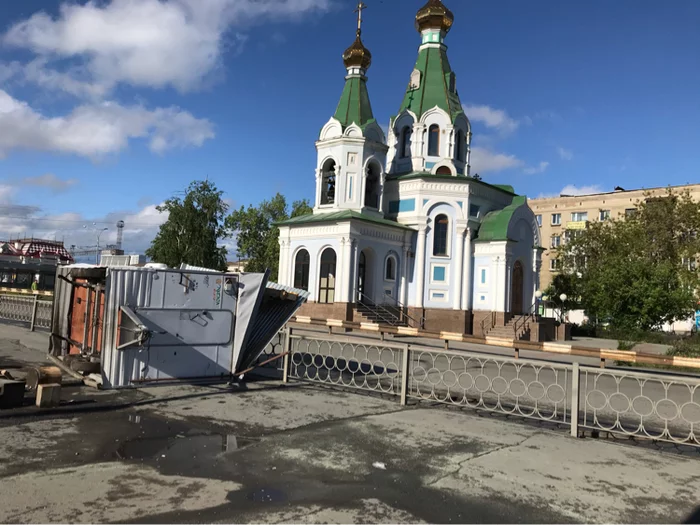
x: 517, y: 329
x: 367, y: 311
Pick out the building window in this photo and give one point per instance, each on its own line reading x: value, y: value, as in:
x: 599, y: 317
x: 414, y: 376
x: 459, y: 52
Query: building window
x: 474, y: 210
x: 390, y: 269
x: 579, y: 216
x: 302, y: 263
x: 483, y: 277
x: 442, y: 225
x: 459, y: 145
x: 439, y: 274
x: 326, y: 291
x: 444, y: 170
x: 434, y: 141
x: 572, y: 235
x: 328, y: 182
x: 630, y: 212
x: 372, y: 187
x: 539, y: 220
x: 556, y: 241
x: 556, y: 219
x: 554, y: 264
x: 405, y: 142
x: 604, y: 215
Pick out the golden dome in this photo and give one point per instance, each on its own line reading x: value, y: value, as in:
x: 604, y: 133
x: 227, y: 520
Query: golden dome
x: 357, y: 55
x: 434, y: 15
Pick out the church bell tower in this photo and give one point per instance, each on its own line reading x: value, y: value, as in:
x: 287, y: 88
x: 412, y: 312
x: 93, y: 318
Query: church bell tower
x: 352, y: 147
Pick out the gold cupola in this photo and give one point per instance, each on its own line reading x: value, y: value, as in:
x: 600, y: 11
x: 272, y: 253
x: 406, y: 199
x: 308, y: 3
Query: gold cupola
x: 357, y: 55
x: 434, y: 15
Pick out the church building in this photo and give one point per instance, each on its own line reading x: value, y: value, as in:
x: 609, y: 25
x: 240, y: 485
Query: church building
x: 401, y: 232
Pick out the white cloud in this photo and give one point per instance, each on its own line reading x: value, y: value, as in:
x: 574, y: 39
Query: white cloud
x: 571, y: 189
x: 565, y: 154
x: 484, y: 160
x: 491, y: 117
x: 95, y: 130
x: 154, y: 43
x: 540, y: 168
x: 140, y: 228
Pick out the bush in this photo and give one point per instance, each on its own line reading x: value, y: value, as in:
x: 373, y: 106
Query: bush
x: 689, y: 347
x: 626, y: 345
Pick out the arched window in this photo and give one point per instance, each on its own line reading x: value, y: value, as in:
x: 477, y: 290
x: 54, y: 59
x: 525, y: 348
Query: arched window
x: 405, y: 142
x: 434, y: 141
x: 390, y: 269
x: 440, y: 235
x: 372, y: 187
x: 301, y: 270
x: 443, y: 170
x: 459, y: 145
x: 326, y: 291
x: 328, y: 182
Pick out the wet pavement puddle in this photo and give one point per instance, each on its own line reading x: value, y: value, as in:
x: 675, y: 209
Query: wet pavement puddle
x: 184, y: 448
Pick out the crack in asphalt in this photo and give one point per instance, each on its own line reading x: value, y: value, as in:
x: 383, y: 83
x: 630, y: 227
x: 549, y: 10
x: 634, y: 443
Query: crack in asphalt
x: 480, y: 455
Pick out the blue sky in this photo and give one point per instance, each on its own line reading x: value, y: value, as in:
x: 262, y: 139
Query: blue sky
x: 108, y: 108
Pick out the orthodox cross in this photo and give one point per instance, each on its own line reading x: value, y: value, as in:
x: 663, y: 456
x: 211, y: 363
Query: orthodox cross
x: 361, y: 6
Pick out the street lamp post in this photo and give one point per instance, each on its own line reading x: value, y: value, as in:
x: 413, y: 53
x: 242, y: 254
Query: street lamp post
x: 99, y: 234
x: 563, y: 297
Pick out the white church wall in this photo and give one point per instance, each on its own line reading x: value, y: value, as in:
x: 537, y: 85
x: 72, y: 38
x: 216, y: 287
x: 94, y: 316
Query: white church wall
x: 440, y: 274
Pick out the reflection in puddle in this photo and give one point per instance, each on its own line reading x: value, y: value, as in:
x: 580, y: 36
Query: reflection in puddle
x: 180, y: 447
x: 267, y: 495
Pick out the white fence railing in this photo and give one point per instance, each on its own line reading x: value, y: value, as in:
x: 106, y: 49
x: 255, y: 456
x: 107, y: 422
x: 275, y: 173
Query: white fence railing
x: 31, y: 310
x: 660, y: 406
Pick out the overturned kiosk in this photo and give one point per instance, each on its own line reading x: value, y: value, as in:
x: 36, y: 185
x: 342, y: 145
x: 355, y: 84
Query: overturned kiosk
x: 143, y: 325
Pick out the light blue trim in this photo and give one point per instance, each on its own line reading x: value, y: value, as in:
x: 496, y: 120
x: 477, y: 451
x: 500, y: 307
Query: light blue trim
x: 430, y: 165
x: 460, y: 204
x: 425, y: 201
x: 439, y: 274
x: 404, y: 205
x: 483, y: 276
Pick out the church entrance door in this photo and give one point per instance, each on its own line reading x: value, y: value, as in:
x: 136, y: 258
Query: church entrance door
x: 517, y: 289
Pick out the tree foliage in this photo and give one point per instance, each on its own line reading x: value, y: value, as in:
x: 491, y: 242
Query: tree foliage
x: 194, y: 226
x: 639, y: 271
x: 257, y: 235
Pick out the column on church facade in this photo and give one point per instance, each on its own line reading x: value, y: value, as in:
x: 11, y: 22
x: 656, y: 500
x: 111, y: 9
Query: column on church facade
x: 499, y: 284
x: 508, y: 283
x: 346, y: 249
x: 284, y: 270
x: 318, y: 188
x: 355, y: 264
x: 458, y: 273
x: 420, y: 265
x: 403, y: 288
x: 467, y: 272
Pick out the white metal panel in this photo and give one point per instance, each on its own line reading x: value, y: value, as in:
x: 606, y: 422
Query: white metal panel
x: 147, y: 288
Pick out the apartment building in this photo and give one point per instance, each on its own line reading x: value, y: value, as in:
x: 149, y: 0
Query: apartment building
x: 560, y: 218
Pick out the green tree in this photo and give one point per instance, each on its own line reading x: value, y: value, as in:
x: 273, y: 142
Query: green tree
x: 256, y: 233
x: 639, y: 271
x: 194, y: 226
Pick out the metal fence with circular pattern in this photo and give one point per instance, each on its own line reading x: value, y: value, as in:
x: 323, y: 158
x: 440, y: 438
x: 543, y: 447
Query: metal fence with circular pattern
x: 365, y: 366
x: 655, y: 406
x: 531, y: 389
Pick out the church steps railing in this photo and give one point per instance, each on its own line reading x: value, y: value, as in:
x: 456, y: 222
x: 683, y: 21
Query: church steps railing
x: 410, y: 321
x: 378, y: 310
